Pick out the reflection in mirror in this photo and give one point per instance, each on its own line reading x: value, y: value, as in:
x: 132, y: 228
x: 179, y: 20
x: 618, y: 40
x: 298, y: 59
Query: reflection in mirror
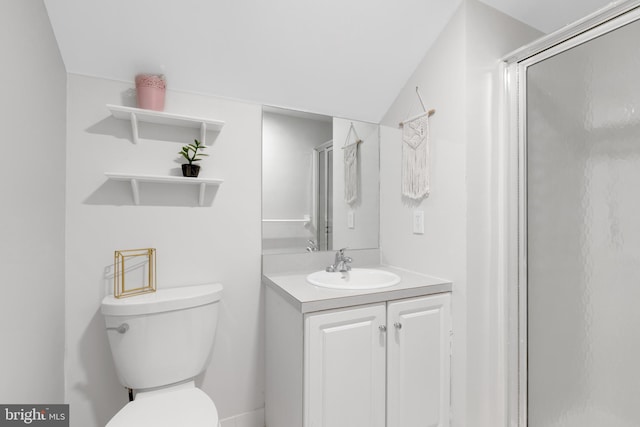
x: 306, y: 182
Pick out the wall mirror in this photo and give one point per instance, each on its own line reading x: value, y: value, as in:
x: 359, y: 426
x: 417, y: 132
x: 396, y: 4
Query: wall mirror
x: 313, y: 197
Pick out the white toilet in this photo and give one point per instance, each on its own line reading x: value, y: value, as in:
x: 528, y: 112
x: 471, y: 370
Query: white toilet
x: 160, y: 341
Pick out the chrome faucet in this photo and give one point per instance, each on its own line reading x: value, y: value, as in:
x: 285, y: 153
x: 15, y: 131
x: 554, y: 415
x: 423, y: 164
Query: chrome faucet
x: 341, y: 262
x: 313, y: 246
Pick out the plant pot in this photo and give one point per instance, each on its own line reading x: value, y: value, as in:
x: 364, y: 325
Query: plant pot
x: 190, y: 171
x: 150, y: 90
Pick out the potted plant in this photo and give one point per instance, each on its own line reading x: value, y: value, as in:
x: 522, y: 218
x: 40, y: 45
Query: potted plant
x: 190, y: 152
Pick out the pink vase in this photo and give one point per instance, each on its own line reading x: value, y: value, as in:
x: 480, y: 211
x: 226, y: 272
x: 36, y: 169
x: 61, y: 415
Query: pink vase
x: 150, y: 90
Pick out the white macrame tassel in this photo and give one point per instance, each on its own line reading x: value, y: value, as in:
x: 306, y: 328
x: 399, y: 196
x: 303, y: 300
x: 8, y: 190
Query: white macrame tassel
x: 415, y: 157
x: 351, y: 173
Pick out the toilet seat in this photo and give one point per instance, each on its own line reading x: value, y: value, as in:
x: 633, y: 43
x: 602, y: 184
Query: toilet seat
x: 188, y: 407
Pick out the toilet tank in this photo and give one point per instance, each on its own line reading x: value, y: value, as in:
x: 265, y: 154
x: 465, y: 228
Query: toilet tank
x: 163, y: 337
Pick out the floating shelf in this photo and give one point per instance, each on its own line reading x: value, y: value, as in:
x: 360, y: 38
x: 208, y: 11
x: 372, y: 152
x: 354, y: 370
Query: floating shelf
x: 135, y: 179
x: 136, y: 115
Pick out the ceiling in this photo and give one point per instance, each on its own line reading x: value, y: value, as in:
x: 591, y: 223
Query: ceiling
x: 548, y: 15
x: 342, y: 58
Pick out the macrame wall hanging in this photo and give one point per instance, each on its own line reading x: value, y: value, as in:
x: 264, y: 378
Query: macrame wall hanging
x: 415, y: 154
x: 351, y: 165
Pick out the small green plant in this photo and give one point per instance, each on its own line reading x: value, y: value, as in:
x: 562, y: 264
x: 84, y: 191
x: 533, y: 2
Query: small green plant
x: 190, y: 151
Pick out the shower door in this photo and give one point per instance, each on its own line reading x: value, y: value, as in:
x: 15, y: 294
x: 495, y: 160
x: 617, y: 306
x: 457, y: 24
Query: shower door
x: 582, y: 184
x: 323, y: 195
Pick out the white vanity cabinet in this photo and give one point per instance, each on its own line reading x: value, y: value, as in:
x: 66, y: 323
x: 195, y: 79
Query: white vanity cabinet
x: 344, y: 367
x: 419, y: 361
x: 371, y: 365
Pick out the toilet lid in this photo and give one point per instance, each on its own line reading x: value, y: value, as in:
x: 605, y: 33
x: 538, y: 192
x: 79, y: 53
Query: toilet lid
x: 188, y: 407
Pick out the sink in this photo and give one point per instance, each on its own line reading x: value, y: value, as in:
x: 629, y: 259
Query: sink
x: 355, y: 279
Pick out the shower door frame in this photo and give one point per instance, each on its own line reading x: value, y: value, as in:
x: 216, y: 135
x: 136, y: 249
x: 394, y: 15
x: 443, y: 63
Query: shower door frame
x: 512, y: 162
x: 323, y: 217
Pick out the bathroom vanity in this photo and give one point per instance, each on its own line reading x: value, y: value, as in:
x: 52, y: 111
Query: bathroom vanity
x: 350, y: 358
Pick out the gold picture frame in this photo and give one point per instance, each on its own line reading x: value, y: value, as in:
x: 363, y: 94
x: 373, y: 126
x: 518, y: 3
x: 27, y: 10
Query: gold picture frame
x: 134, y: 272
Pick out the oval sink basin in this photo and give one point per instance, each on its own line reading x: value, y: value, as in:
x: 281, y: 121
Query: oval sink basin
x: 355, y: 279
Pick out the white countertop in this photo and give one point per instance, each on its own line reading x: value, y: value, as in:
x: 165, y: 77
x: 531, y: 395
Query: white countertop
x: 307, y: 298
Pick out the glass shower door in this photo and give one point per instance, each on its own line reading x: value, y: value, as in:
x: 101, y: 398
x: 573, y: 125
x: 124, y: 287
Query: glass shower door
x: 583, y: 234
x: 324, y: 196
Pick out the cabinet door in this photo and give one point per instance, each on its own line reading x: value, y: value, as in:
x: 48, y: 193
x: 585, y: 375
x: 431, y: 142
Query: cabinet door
x: 345, y: 368
x: 418, y: 361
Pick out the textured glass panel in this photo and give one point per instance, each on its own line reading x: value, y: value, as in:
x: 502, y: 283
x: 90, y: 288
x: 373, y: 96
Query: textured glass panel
x: 583, y: 231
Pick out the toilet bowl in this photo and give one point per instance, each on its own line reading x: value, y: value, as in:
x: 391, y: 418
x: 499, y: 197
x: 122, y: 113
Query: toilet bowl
x: 189, y: 407
x: 160, y: 341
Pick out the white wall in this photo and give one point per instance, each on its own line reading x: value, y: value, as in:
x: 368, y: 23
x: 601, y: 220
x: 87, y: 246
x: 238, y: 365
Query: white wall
x: 218, y: 242
x: 490, y: 35
x: 441, y: 250
x: 287, y: 151
x: 458, y: 77
x: 32, y: 131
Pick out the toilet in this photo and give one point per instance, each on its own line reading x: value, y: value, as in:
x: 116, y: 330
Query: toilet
x: 160, y: 342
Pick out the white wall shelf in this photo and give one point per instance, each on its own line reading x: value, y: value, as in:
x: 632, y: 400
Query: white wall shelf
x: 135, y: 179
x: 136, y: 115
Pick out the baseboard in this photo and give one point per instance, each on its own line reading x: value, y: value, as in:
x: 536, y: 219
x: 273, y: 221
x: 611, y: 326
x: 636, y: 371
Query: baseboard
x: 248, y: 419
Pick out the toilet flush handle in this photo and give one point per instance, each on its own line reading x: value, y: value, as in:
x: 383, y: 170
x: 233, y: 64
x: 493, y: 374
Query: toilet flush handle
x: 120, y: 329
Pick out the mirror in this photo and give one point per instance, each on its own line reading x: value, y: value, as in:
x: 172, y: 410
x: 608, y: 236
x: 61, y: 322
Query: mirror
x: 313, y: 197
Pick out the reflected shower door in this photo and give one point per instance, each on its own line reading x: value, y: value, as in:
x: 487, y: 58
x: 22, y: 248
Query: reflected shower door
x: 583, y: 234
x: 324, y: 195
